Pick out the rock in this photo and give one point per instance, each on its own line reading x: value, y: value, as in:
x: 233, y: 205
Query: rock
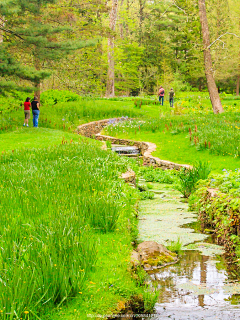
x: 152, y: 255
x: 129, y: 177
x: 135, y: 259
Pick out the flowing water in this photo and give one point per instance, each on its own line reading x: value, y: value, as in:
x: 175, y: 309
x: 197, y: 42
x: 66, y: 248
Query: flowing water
x: 199, y: 285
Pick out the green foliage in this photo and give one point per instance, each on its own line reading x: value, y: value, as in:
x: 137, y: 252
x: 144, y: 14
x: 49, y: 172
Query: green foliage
x: 108, y: 144
x: 52, y: 97
x: 63, y: 115
x: 42, y: 38
x: 212, y: 135
x: 220, y: 211
x: 142, y: 187
x: 175, y: 246
x: 11, y: 67
x: 189, y: 177
x: 152, y: 174
x: 145, y: 195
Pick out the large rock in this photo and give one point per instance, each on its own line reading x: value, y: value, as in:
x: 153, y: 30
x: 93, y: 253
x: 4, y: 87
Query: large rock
x: 153, y: 255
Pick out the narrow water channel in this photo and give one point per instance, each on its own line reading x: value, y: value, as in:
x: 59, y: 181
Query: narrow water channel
x: 199, y: 285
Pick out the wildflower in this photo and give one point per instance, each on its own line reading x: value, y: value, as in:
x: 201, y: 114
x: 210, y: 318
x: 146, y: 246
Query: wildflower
x: 26, y: 312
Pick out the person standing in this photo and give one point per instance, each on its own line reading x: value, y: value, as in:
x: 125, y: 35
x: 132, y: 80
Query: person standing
x: 171, y: 95
x: 161, y: 95
x: 35, y: 111
x: 27, y: 106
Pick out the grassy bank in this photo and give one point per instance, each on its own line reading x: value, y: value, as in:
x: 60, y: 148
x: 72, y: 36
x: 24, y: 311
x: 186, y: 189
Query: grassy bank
x: 27, y: 138
x: 63, y: 209
x: 184, y: 139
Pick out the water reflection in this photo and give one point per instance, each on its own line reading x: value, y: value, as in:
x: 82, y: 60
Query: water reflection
x: 197, y: 283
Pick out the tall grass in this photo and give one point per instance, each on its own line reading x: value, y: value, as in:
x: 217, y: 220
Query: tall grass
x: 53, y: 203
x: 189, y: 177
x: 220, y: 134
x: 68, y: 115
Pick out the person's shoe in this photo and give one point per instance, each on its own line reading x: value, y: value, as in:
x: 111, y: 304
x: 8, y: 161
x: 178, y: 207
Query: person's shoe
x: 27, y: 125
x: 24, y: 124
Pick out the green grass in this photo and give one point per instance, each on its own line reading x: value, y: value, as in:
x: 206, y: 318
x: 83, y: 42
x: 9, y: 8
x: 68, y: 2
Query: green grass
x: 110, y: 286
x: 67, y: 221
x: 176, y: 148
x: 67, y: 116
x: 27, y: 138
x: 58, y: 207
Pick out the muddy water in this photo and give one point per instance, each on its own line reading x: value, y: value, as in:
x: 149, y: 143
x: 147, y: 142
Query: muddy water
x: 199, y: 285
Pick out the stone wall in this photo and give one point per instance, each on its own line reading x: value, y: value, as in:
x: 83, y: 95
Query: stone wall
x: 142, y: 146
x: 93, y: 129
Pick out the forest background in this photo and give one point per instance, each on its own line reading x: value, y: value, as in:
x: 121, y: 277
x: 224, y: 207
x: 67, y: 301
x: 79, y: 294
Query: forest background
x: 75, y: 44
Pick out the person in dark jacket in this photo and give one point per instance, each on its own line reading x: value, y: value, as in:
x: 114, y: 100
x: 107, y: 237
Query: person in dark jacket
x: 171, y: 95
x: 35, y: 111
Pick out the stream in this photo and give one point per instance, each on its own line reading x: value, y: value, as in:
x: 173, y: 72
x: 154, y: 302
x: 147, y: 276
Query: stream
x: 199, y: 286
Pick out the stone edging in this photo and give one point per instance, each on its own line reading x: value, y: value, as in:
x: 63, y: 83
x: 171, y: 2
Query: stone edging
x: 93, y: 129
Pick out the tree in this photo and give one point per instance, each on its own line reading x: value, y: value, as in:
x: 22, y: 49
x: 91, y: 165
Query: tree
x: 212, y: 88
x: 39, y: 34
x: 110, y: 90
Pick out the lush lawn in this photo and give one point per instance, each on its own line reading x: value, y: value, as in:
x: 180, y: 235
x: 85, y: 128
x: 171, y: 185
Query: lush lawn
x: 65, y: 214
x: 27, y: 138
x: 110, y: 286
x: 176, y: 146
x: 177, y: 149
x: 72, y: 221
x: 68, y: 115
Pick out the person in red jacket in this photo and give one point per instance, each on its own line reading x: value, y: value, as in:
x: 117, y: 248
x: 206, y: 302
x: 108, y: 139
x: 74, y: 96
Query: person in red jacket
x: 161, y: 95
x: 27, y: 105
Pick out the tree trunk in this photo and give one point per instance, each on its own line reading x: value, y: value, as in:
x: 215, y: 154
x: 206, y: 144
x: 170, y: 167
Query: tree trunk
x: 141, y: 18
x: 238, y: 81
x: 37, y: 82
x: 212, y: 88
x: 2, y: 23
x: 110, y: 90
x: 238, y: 76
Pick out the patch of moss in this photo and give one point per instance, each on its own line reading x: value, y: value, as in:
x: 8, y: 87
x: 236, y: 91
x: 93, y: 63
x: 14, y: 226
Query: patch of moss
x: 160, y: 260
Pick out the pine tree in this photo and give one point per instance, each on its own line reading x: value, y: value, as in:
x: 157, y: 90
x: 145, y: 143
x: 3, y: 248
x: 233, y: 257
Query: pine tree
x: 38, y: 34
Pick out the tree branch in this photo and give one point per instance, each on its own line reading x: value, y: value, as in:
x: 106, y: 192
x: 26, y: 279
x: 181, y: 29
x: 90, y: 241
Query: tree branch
x: 221, y: 37
x: 10, y: 31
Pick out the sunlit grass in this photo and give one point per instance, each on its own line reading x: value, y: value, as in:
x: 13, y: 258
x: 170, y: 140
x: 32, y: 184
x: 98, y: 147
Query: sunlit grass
x: 26, y: 138
x: 178, y: 148
x: 55, y: 204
